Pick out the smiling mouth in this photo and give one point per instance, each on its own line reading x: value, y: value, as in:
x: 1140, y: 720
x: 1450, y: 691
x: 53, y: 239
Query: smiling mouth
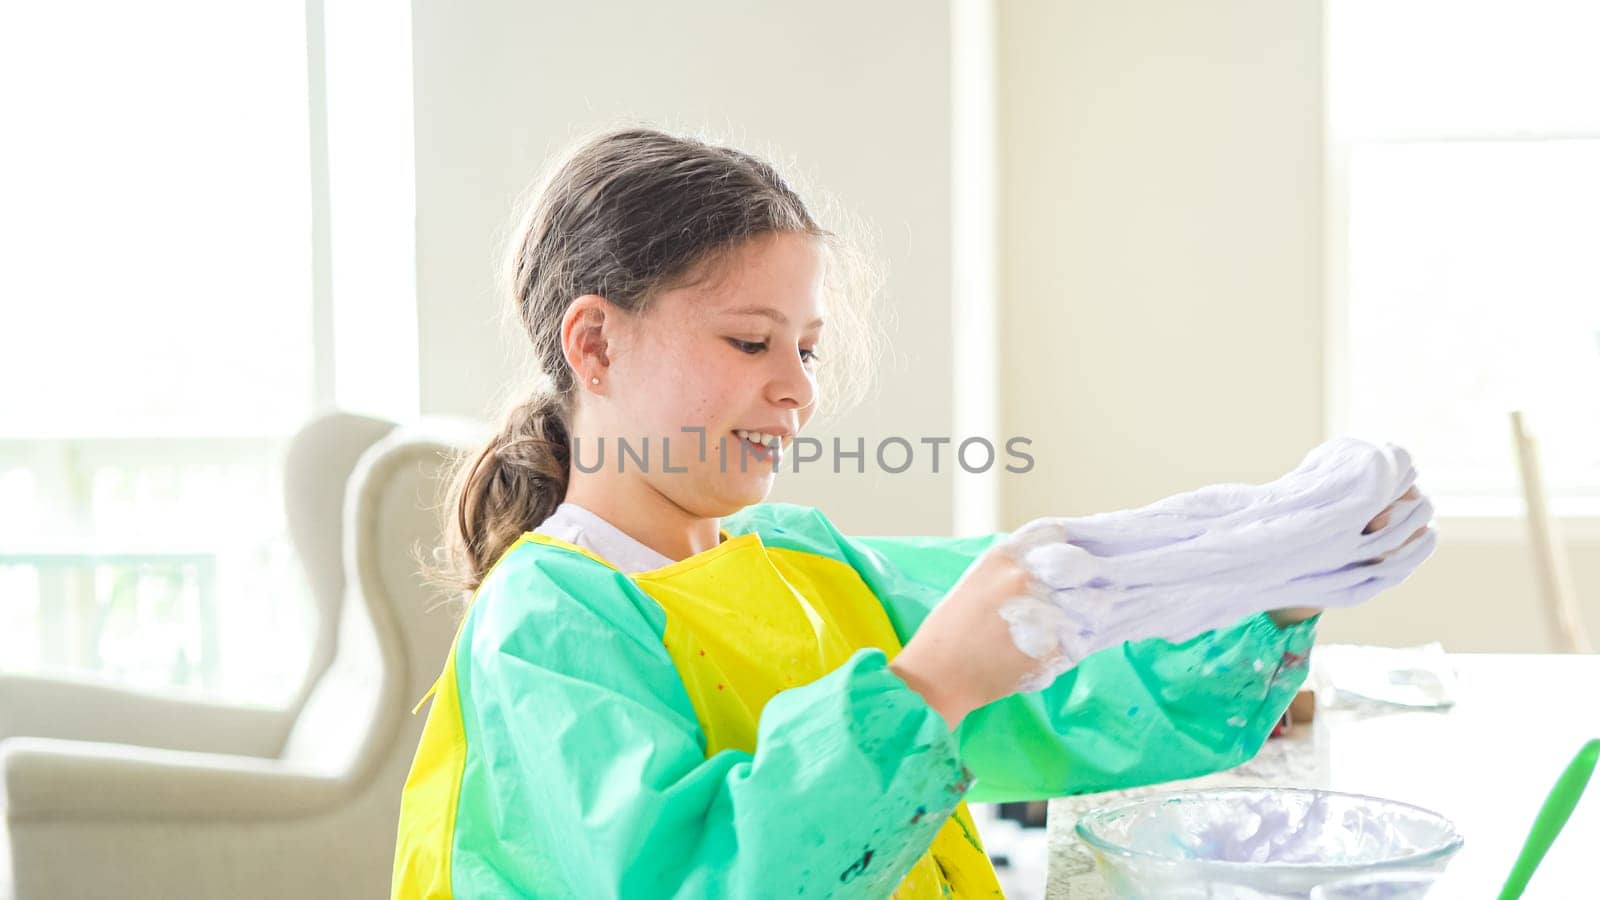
x: 759, y: 446
x: 767, y: 442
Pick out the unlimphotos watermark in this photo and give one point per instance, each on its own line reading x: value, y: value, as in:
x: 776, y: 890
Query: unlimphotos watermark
x: 892, y: 455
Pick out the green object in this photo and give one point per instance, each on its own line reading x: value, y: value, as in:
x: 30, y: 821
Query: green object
x: 575, y: 748
x: 1552, y: 818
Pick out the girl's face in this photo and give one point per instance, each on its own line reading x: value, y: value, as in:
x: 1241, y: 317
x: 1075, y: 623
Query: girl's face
x: 733, y: 355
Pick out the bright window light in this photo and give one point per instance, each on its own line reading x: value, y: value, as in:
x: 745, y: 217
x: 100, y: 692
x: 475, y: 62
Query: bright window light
x: 156, y: 340
x: 1465, y: 152
x: 156, y: 219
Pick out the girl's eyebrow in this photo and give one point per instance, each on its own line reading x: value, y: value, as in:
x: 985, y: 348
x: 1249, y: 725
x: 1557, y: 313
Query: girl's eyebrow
x: 769, y: 312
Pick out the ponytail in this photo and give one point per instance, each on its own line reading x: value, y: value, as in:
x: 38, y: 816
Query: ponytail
x: 511, y: 487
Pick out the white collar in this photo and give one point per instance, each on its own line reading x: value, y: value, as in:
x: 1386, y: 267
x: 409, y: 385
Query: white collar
x: 576, y: 525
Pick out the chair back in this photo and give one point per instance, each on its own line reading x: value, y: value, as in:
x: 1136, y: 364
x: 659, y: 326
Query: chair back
x: 318, y: 465
x: 393, y: 632
x: 1549, y: 551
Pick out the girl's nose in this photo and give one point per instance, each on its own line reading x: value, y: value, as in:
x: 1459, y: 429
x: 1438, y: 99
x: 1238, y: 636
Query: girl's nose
x: 794, y: 385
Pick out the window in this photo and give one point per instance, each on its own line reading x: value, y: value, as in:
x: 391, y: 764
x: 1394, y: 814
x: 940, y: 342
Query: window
x: 159, y: 340
x: 1465, y: 209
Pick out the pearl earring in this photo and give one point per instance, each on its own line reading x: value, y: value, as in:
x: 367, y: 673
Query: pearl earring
x: 595, y: 380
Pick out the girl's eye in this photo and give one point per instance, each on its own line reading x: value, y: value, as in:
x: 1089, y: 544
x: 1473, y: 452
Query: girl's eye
x: 754, y: 347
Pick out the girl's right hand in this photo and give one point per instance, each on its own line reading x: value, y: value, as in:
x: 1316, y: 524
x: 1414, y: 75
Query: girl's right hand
x: 964, y: 656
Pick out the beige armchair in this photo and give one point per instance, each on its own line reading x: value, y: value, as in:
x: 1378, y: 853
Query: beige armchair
x: 112, y: 793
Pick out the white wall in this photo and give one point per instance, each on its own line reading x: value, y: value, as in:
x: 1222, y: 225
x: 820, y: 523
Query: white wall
x: 857, y: 93
x: 1162, y: 234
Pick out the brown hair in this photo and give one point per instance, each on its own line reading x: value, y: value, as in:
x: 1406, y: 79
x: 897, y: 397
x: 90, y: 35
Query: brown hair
x: 625, y: 215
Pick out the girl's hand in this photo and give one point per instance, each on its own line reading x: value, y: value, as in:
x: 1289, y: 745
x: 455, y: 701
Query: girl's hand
x: 1382, y: 519
x: 997, y: 632
x: 963, y: 656
x: 1286, y: 617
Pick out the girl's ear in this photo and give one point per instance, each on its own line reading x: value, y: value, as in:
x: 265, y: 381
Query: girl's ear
x: 583, y: 337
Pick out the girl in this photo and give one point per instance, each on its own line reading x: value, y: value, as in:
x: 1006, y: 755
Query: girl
x: 665, y: 687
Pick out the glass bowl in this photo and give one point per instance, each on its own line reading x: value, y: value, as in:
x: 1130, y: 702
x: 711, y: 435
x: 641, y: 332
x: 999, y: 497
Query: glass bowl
x: 1378, y: 886
x: 1251, y: 843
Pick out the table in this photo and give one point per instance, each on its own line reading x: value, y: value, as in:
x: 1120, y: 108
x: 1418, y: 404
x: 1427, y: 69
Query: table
x: 1486, y: 763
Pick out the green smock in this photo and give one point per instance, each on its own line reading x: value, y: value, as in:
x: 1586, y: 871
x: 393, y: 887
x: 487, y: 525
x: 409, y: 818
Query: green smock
x: 727, y: 725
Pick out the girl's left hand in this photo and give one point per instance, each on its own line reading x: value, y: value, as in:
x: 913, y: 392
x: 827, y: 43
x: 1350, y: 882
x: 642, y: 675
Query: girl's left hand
x: 1286, y: 617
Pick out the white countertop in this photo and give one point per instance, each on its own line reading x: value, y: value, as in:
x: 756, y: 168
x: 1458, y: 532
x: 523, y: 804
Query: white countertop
x: 1486, y: 763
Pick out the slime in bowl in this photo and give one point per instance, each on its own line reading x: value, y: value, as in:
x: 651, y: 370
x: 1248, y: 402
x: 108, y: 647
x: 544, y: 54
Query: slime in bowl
x: 1259, y: 842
